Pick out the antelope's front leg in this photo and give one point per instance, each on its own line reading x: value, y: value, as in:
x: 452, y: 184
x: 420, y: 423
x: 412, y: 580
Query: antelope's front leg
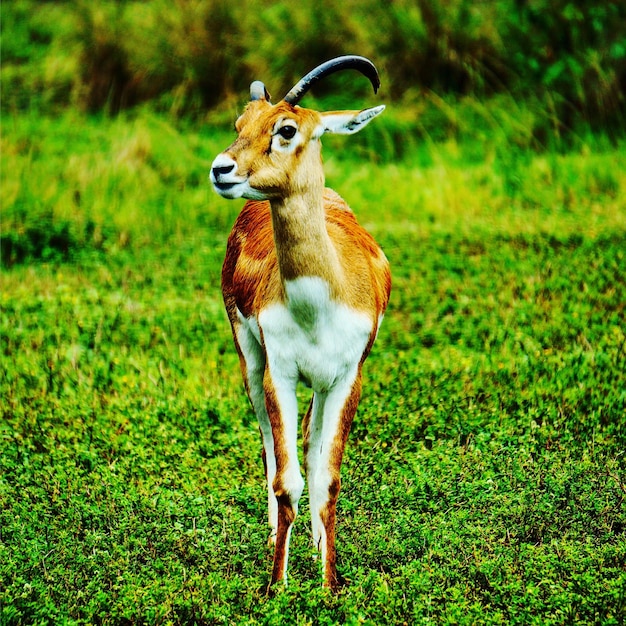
x: 288, y: 484
x: 252, y: 362
x: 329, y: 424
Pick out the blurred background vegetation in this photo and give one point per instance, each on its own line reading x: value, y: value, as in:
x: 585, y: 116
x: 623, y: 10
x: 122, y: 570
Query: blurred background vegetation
x: 111, y: 108
x: 566, y: 58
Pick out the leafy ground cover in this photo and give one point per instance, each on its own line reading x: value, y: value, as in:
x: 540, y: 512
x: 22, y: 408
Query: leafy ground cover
x: 485, y: 478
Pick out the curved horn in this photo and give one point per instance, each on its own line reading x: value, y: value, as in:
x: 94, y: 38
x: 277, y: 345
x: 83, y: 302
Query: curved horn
x: 258, y: 91
x: 363, y: 65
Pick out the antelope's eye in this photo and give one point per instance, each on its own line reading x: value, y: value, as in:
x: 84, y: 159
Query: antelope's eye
x: 287, y: 132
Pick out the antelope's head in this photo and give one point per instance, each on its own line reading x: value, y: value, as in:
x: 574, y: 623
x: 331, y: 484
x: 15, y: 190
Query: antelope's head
x: 277, y: 151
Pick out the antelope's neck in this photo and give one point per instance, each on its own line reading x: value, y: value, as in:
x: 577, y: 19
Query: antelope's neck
x: 303, y: 247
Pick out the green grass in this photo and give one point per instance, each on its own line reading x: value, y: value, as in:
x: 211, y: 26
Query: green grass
x: 485, y: 478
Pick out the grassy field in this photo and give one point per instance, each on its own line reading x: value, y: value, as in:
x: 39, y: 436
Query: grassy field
x: 485, y: 476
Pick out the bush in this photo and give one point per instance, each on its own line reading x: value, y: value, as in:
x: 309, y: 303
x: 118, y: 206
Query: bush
x: 575, y: 53
x: 44, y: 239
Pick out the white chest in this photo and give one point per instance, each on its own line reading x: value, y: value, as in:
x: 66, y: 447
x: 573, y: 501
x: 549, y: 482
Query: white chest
x: 311, y: 336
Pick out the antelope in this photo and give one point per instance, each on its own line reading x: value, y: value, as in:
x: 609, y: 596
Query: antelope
x: 305, y: 289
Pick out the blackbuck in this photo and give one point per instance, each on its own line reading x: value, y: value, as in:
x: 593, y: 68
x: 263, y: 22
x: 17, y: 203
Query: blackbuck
x: 305, y: 289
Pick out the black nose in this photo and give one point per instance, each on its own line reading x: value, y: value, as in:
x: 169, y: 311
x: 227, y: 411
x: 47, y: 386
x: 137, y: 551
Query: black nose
x: 221, y: 171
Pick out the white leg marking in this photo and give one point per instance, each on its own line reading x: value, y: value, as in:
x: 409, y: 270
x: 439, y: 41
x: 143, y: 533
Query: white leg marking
x: 325, y: 423
x: 312, y: 460
x: 288, y: 483
x: 285, y: 394
x: 247, y: 336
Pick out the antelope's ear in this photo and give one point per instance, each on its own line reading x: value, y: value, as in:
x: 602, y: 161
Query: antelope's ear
x: 347, y: 122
